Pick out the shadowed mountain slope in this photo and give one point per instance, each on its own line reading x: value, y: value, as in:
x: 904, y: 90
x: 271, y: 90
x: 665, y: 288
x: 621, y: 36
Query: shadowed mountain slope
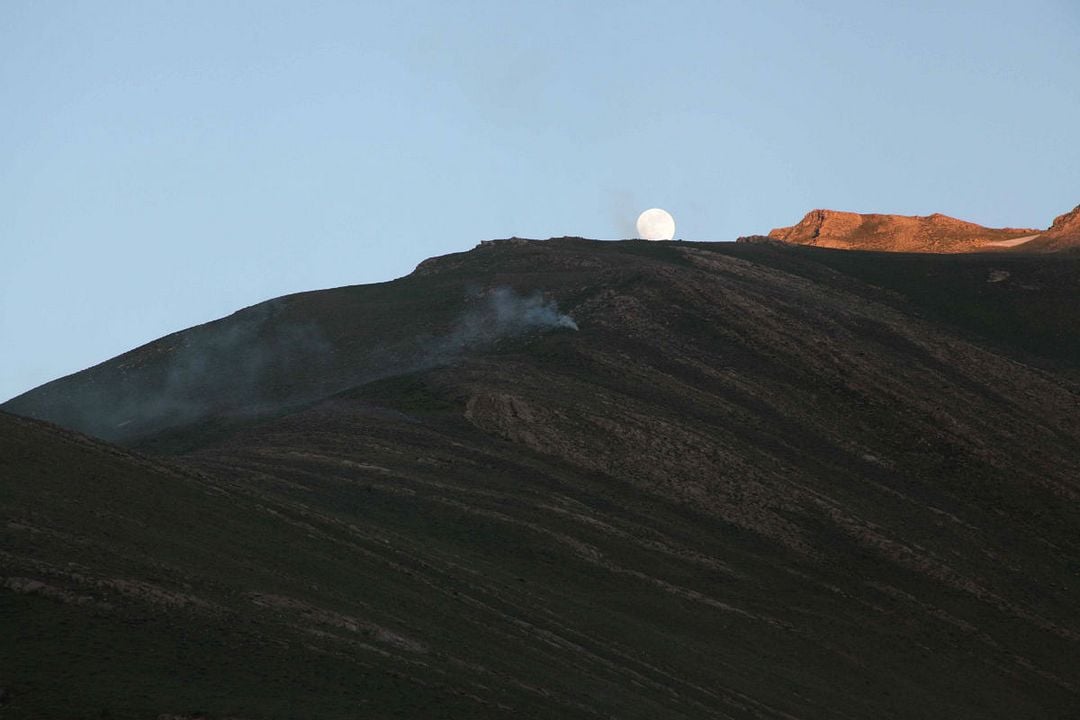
x: 757, y: 481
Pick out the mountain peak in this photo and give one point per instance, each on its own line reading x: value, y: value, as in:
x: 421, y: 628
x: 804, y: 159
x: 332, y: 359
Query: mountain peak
x: 1063, y: 234
x: 1066, y: 224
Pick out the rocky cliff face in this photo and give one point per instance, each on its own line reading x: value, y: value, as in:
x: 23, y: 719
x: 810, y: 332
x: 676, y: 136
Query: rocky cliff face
x: 897, y: 233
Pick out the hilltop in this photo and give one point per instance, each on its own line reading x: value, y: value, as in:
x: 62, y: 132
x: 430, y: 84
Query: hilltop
x: 935, y: 233
x: 572, y: 479
x: 1063, y: 234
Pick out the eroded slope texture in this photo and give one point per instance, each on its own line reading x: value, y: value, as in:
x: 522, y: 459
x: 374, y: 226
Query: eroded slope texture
x: 749, y: 485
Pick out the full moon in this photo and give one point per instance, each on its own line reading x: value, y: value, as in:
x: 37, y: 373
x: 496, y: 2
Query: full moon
x: 656, y: 224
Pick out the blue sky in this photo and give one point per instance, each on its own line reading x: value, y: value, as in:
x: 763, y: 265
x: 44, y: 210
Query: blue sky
x: 163, y: 164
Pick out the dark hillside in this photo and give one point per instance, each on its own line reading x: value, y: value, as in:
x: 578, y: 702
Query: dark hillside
x: 1022, y: 304
x: 287, y: 352
x: 130, y: 588
x: 755, y: 482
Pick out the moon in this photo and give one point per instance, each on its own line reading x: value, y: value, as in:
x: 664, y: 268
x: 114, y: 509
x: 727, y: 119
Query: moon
x: 656, y: 224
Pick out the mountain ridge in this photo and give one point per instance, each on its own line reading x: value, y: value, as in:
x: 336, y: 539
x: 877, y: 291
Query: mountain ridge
x: 936, y: 233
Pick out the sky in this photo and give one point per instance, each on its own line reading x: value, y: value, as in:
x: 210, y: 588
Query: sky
x: 163, y: 164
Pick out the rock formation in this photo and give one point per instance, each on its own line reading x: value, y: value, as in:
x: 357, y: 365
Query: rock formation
x: 895, y: 233
x: 1064, y: 233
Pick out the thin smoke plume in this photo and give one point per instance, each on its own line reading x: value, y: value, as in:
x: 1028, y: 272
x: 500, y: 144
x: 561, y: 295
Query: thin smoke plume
x: 262, y: 360
x: 498, y: 313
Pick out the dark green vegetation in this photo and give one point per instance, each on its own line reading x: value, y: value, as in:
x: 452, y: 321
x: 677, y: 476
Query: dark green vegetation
x: 759, y: 481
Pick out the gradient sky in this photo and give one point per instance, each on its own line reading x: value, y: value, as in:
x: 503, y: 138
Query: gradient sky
x: 166, y: 163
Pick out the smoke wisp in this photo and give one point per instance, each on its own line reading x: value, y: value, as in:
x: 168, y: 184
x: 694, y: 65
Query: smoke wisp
x: 239, y: 365
x: 264, y: 360
x: 498, y: 313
